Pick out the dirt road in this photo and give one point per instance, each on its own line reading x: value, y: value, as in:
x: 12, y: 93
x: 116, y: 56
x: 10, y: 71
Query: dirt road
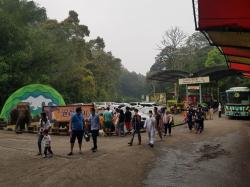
x: 218, y: 157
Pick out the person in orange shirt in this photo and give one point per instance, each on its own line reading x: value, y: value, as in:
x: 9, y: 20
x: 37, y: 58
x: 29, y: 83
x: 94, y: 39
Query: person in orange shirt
x: 101, y: 119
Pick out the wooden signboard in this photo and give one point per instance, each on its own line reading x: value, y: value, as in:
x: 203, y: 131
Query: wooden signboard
x: 194, y: 80
x: 64, y: 113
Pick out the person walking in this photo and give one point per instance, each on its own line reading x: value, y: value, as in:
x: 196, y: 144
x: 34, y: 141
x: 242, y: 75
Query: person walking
x: 101, y: 119
x: 211, y: 113
x: 121, y: 123
x: 43, y: 125
x: 76, y: 130
x: 190, y: 119
x: 158, y: 122
x: 149, y: 125
x: 107, y: 121
x: 170, y: 123
x: 128, y: 118
x: 199, y: 119
x: 115, y: 120
x: 136, y: 122
x: 165, y: 120
x: 219, y: 110
x: 94, y: 127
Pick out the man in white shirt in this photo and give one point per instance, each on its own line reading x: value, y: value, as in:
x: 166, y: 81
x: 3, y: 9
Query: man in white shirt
x: 149, y: 125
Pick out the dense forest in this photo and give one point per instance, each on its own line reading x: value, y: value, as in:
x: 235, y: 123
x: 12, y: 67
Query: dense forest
x: 36, y: 49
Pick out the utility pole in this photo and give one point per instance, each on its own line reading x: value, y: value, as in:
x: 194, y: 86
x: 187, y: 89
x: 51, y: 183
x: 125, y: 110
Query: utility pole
x: 200, y: 94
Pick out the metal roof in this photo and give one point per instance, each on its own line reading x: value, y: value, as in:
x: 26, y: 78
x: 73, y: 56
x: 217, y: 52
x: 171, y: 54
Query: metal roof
x: 215, y: 73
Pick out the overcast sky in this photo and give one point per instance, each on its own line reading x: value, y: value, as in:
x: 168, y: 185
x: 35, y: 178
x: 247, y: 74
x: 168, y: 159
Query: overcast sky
x: 131, y: 28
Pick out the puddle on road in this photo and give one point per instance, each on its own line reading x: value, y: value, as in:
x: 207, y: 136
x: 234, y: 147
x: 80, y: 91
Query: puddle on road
x: 211, y: 152
x: 186, y: 165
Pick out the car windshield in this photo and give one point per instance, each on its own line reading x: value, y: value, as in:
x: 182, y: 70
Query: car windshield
x: 146, y: 110
x: 146, y: 105
x: 133, y: 104
x: 238, y: 97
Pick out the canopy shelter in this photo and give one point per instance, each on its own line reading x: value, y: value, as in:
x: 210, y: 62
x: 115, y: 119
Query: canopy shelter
x: 168, y: 75
x: 214, y: 73
x: 226, y: 24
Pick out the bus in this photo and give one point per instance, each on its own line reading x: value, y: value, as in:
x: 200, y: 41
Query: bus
x: 237, y: 102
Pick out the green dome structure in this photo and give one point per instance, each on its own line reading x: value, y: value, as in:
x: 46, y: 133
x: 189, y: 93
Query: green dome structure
x: 36, y: 95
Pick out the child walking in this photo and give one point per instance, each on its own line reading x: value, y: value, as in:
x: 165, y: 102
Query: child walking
x: 47, y: 144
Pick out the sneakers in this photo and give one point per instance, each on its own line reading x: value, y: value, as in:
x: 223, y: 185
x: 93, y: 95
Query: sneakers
x: 130, y: 144
x: 93, y: 149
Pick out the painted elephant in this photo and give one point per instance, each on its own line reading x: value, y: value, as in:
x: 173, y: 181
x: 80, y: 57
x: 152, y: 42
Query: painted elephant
x: 21, y: 116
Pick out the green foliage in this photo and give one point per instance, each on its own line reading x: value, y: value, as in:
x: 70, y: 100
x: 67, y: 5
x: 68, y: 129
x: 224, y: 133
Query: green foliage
x: 133, y: 85
x: 35, y: 49
x: 214, y: 58
x: 194, y: 54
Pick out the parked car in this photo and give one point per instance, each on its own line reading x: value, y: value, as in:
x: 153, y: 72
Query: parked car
x: 149, y: 104
x: 136, y: 105
x: 144, y: 113
x: 102, y: 105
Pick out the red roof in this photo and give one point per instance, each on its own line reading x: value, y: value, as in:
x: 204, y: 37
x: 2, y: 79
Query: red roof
x: 226, y: 23
x: 239, y: 67
x: 232, y: 51
x: 224, y: 13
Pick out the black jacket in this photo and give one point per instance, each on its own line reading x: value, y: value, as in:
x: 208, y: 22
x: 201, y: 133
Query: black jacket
x: 136, y: 122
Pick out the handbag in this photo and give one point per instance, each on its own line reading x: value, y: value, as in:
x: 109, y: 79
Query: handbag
x: 86, y: 136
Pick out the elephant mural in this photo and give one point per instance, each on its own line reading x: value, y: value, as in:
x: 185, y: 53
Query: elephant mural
x: 21, y: 116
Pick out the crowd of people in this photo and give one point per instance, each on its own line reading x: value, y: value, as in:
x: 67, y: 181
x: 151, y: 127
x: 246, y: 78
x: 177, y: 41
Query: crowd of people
x: 120, y: 123
x: 195, y: 119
